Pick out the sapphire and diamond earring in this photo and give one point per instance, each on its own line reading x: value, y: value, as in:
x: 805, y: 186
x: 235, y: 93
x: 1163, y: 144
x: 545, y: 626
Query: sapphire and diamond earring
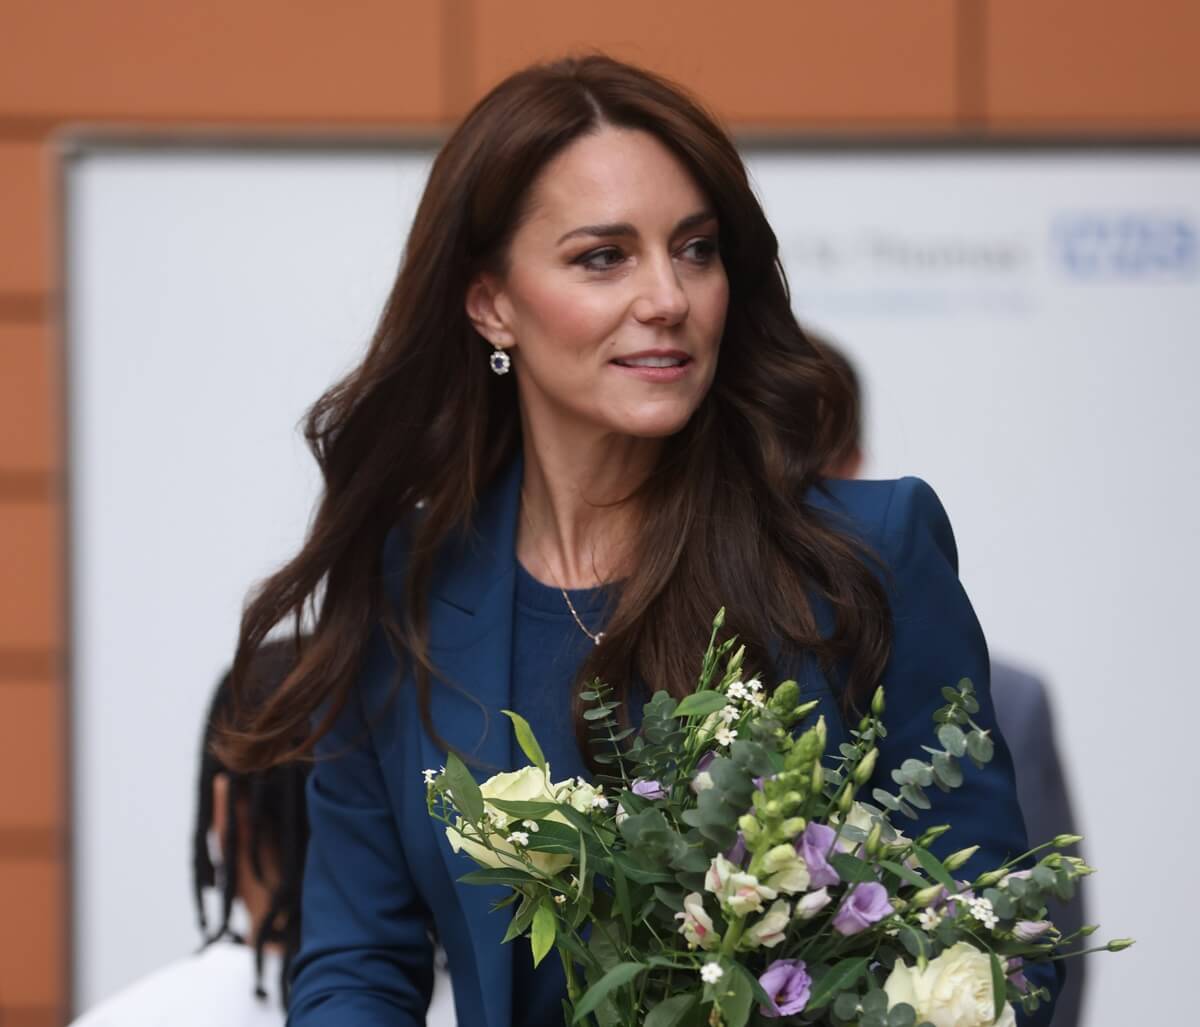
x: 500, y: 361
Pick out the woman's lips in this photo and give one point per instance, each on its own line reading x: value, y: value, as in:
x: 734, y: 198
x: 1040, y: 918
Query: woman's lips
x: 666, y: 367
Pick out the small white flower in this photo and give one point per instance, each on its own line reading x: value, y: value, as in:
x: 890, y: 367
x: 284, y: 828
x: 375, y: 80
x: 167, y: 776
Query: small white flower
x: 725, y: 736
x: 530, y: 825
x: 498, y: 820
x: 755, y: 700
x: 729, y: 714
x: 981, y: 910
x: 429, y: 776
x: 710, y: 973
x: 736, y: 690
x: 929, y: 919
x: 518, y: 838
x: 560, y: 899
x: 599, y: 802
x: 754, y: 685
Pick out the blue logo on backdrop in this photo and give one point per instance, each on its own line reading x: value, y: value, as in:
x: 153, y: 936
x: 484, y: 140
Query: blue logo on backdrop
x: 1128, y: 245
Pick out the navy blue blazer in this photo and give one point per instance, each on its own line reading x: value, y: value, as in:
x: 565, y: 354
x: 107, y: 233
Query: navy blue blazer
x: 381, y: 877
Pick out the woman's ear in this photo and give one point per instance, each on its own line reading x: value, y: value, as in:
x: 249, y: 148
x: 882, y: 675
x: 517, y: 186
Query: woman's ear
x: 488, y: 310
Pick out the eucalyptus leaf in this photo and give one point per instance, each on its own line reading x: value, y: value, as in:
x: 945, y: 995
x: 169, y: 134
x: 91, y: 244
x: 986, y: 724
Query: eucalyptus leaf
x: 951, y: 736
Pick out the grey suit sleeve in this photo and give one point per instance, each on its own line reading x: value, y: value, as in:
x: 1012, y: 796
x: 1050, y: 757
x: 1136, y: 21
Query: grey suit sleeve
x: 1026, y: 718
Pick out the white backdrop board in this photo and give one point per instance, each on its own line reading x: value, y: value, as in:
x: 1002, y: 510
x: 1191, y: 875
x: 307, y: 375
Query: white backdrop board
x: 1025, y: 324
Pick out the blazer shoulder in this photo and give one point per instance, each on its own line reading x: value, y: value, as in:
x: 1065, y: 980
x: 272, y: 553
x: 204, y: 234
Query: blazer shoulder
x: 887, y: 515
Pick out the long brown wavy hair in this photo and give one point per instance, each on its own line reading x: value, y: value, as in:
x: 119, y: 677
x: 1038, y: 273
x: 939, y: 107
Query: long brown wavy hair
x: 421, y: 420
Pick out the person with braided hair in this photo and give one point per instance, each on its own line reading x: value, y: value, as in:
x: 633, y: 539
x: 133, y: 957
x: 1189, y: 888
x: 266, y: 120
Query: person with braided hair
x: 249, y: 841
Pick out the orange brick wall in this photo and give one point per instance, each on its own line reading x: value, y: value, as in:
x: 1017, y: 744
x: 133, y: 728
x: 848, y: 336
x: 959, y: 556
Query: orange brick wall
x: 941, y: 67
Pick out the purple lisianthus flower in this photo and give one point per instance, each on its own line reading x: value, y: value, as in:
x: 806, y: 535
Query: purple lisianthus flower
x: 1016, y: 974
x: 648, y: 789
x: 865, y: 905
x: 813, y: 845
x: 705, y: 761
x: 736, y: 853
x: 788, y: 984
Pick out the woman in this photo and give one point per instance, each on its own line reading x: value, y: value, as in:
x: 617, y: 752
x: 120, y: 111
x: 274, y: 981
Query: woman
x: 587, y: 420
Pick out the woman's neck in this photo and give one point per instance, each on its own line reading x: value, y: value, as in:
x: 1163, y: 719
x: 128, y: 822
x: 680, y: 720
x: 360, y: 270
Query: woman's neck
x: 575, y: 525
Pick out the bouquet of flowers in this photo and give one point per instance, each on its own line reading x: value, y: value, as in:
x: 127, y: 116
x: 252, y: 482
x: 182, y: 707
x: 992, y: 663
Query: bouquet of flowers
x: 722, y: 869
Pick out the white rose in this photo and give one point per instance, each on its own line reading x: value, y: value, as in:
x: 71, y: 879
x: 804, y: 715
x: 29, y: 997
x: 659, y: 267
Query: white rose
x: 954, y: 990
x: 528, y: 784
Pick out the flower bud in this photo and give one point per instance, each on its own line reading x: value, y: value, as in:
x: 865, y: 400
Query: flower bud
x: 792, y: 826
x: 773, y: 809
x: 783, y: 700
x: 719, y: 619
x: 877, y: 704
x: 930, y: 836
x: 957, y: 859
x: 749, y: 827
x: 928, y: 896
x: 1063, y: 841
x: 735, y: 661
x: 818, y: 777
x: 873, y: 839
x: 1118, y: 944
x: 990, y: 879
x: 866, y: 767
x: 1087, y: 930
x: 845, y: 799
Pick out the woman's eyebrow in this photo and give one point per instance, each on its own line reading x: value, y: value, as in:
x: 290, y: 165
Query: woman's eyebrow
x: 619, y: 228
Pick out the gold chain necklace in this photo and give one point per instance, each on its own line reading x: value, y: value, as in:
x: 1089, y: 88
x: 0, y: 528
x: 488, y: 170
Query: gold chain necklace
x: 594, y: 636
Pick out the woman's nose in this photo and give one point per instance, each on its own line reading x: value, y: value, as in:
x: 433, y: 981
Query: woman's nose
x: 662, y: 299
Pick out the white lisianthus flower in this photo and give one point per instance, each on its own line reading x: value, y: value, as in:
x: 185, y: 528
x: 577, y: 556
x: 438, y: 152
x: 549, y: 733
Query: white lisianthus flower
x: 528, y: 784
x: 697, y: 926
x: 738, y: 892
x: 785, y: 870
x: 769, y: 930
x: 954, y: 990
x: 812, y: 904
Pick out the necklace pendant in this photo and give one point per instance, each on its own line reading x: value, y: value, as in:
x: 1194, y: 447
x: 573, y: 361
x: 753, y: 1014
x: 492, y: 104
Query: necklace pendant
x: 599, y: 635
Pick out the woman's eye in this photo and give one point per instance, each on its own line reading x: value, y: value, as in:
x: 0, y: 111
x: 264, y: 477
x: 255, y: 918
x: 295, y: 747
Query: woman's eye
x: 599, y: 260
x: 702, y: 250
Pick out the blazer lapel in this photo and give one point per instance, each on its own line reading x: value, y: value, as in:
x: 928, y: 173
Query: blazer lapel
x: 470, y: 626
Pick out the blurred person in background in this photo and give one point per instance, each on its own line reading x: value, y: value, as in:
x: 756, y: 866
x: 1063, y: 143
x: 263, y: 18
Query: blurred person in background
x: 1024, y: 713
x: 248, y: 848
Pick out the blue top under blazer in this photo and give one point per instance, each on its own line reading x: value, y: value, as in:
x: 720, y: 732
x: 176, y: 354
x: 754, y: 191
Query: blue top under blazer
x: 381, y: 877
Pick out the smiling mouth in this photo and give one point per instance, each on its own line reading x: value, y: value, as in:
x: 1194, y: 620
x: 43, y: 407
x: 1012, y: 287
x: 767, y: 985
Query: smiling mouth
x: 678, y: 361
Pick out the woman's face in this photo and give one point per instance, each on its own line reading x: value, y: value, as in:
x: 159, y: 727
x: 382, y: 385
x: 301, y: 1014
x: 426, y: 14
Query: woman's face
x: 614, y: 302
